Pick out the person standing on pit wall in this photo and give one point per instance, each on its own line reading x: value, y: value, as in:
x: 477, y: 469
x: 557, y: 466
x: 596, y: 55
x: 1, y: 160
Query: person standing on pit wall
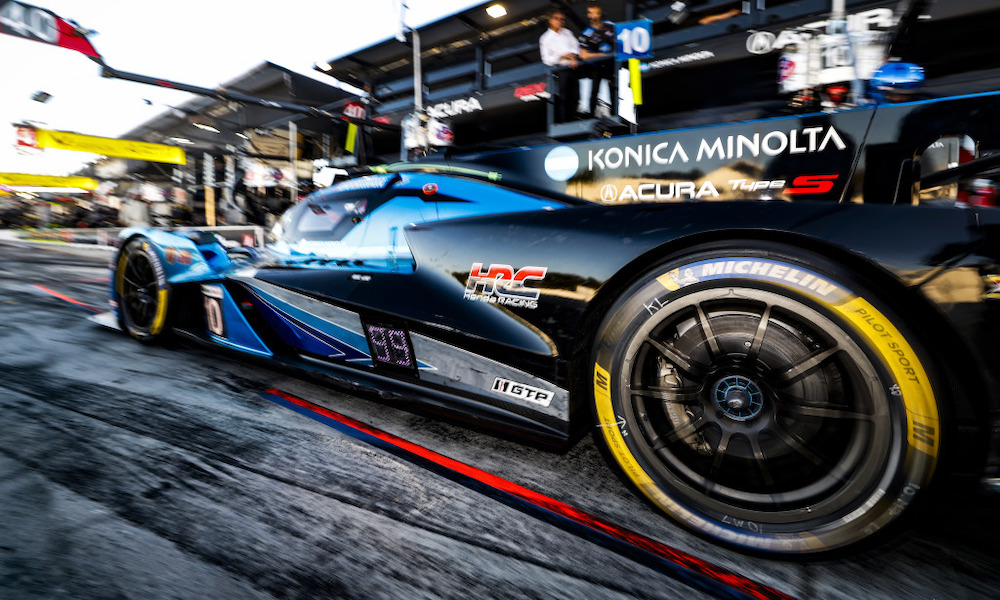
x: 560, y: 48
x: 597, y: 44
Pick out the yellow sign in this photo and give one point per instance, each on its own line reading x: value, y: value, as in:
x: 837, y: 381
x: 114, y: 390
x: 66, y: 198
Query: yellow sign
x: 635, y: 79
x: 64, y: 140
x: 25, y: 179
x: 352, y: 136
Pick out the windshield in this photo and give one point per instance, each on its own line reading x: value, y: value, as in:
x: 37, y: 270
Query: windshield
x: 362, y: 221
x: 322, y: 220
x: 355, y: 226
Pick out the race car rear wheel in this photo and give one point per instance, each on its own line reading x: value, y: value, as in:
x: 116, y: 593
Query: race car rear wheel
x: 765, y: 400
x: 142, y: 290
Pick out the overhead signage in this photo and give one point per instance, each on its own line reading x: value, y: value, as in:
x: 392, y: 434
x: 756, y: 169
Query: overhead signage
x: 274, y: 143
x: 763, y: 42
x: 354, y: 110
x: 47, y: 181
x: 25, y: 136
x: 461, y: 106
x: 41, y: 25
x: 634, y: 39
x: 64, y: 140
x: 532, y: 92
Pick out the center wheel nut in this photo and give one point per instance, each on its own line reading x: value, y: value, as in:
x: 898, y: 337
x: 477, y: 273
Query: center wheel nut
x: 739, y: 398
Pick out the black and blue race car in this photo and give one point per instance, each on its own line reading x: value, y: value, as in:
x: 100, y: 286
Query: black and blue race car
x: 782, y: 331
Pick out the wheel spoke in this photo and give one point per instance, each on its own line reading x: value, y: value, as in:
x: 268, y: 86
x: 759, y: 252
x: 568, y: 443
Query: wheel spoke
x: 692, y: 425
x: 798, y: 446
x: 720, y: 451
x: 131, y: 283
x: 761, y: 459
x: 681, y: 361
x: 804, y: 366
x: 758, y: 338
x: 132, y: 268
x: 826, y: 411
x: 667, y: 394
x: 706, y: 328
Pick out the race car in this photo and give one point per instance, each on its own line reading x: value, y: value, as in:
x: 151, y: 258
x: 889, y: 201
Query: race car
x: 785, y: 365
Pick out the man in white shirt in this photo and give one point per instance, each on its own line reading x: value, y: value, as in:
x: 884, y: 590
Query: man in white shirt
x: 560, y: 48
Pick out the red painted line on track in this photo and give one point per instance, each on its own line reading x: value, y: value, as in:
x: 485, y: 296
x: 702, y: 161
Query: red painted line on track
x: 66, y: 298
x: 695, y: 567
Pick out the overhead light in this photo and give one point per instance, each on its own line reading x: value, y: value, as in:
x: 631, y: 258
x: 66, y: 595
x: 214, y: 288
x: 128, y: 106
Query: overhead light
x: 324, y: 66
x: 496, y: 11
x: 205, y: 127
x: 180, y: 140
x: 243, y: 135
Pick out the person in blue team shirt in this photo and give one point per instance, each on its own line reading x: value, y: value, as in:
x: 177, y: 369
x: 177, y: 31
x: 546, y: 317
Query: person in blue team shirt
x: 597, y: 44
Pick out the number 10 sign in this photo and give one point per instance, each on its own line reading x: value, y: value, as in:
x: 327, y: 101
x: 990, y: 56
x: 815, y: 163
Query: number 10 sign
x: 634, y: 39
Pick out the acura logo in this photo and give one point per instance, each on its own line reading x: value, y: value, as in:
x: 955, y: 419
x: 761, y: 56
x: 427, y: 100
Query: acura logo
x: 609, y: 193
x: 761, y: 42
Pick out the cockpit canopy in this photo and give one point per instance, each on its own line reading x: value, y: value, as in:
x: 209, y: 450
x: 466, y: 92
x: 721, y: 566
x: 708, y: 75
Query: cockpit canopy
x: 363, y: 220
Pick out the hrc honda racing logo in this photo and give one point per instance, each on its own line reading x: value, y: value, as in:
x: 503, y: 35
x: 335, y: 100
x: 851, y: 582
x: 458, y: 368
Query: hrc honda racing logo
x: 502, y: 285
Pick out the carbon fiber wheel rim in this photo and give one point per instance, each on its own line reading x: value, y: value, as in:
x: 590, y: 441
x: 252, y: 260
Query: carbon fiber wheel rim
x: 756, y: 407
x: 139, y: 291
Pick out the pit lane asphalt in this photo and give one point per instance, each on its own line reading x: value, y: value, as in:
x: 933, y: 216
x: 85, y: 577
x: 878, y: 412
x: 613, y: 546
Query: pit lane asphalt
x: 132, y: 471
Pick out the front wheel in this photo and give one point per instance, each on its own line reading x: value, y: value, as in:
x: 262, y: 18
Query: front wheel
x: 142, y: 290
x: 764, y: 401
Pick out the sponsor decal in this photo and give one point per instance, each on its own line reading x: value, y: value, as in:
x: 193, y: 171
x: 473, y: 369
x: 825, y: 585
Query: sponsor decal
x: 501, y: 285
x: 652, y: 192
x: 807, y: 140
x: 754, y: 268
x: 680, y: 60
x: 532, y: 92
x: 762, y: 42
x: 750, y: 185
x: 811, y: 184
x: 561, y: 163
x: 455, y: 107
x: 803, y: 184
x: 175, y: 255
x: 522, y: 391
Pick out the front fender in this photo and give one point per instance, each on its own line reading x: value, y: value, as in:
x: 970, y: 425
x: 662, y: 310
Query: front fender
x: 184, y: 260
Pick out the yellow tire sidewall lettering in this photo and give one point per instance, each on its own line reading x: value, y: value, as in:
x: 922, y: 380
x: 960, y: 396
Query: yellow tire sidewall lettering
x: 922, y: 422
